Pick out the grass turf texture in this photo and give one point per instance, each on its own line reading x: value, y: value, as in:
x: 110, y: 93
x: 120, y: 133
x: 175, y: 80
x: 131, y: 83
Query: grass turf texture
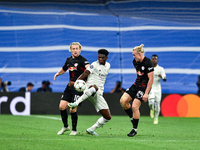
x: 39, y: 132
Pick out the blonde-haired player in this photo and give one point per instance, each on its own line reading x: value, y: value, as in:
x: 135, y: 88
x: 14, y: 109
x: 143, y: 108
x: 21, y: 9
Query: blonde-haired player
x: 155, y: 94
x: 76, y: 64
x: 138, y: 92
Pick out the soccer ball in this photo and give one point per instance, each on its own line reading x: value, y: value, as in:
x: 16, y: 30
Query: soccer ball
x: 80, y: 85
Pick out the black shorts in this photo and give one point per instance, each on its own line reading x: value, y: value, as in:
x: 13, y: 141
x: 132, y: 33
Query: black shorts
x: 136, y: 92
x: 70, y: 94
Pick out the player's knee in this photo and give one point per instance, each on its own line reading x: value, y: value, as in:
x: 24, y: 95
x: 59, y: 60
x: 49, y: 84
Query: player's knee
x: 122, y: 101
x: 135, y: 108
x: 96, y: 88
x: 62, y: 107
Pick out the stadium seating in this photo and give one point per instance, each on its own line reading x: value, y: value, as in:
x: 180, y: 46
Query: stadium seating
x: 35, y: 40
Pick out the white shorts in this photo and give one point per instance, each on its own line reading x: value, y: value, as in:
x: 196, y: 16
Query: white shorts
x: 155, y: 95
x: 98, y: 101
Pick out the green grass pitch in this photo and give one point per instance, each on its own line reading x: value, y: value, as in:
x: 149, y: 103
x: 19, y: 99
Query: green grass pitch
x: 39, y: 132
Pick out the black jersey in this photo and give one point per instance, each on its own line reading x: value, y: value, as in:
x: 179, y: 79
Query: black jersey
x: 76, y: 66
x: 142, y: 69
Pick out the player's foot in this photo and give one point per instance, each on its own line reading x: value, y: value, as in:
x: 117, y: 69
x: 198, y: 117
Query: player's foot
x: 73, y: 132
x: 151, y: 113
x: 72, y: 105
x: 88, y: 131
x: 63, y: 130
x: 132, y: 133
x: 155, y: 121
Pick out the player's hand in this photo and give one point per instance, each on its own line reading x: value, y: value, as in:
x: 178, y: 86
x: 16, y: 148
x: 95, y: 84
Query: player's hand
x: 55, y: 76
x: 71, y: 83
x: 160, y: 76
x: 144, y: 98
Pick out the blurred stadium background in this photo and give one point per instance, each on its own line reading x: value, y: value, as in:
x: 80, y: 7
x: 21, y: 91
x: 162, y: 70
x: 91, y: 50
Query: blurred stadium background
x: 35, y: 38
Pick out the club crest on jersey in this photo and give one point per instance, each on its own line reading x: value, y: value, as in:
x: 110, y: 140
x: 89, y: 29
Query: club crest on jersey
x: 76, y: 64
x: 142, y: 67
x: 139, y: 73
x: 72, y: 68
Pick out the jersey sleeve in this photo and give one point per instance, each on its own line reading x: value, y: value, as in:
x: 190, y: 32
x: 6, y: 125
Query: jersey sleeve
x: 91, y: 67
x: 85, y: 61
x: 65, y: 66
x: 163, y: 74
x: 149, y: 66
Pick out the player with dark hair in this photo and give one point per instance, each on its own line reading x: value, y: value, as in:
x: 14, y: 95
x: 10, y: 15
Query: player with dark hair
x: 76, y: 64
x: 138, y: 92
x: 96, y: 76
x: 155, y: 94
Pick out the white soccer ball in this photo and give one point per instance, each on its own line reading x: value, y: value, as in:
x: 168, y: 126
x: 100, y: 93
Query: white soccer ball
x: 80, y: 85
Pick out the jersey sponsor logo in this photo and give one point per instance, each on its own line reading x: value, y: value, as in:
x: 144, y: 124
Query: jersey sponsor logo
x: 72, y: 68
x: 139, y: 73
x: 102, y: 75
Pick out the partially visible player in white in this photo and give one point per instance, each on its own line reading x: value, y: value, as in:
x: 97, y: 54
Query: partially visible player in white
x: 96, y: 76
x: 155, y: 94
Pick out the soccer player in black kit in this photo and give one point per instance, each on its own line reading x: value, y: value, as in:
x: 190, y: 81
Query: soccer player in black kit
x: 138, y: 92
x: 76, y: 64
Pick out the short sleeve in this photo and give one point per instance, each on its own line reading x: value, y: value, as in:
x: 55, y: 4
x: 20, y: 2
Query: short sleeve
x: 149, y: 66
x: 91, y: 67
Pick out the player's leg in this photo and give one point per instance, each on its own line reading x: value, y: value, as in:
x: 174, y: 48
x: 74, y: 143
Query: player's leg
x: 64, y: 116
x: 87, y: 93
x: 100, y: 122
x: 74, y: 118
x: 136, y: 116
x: 151, y: 101
x: 102, y: 107
x: 157, y: 107
x: 124, y: 101
x: 73, y: 112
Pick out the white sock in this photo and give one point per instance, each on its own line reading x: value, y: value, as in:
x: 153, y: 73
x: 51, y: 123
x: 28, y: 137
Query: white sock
x: 151, y: 104
x: 157, y: 110
x: 87, y: 93
x: 100, y: 122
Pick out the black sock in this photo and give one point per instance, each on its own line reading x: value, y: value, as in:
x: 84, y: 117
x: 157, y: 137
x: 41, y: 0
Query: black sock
x: 135, y: 123
x: 129, y: 112
x: 64, y: 117
x: 74, y: 117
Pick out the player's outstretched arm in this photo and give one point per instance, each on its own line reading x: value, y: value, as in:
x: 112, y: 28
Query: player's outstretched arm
x: 60, y: 72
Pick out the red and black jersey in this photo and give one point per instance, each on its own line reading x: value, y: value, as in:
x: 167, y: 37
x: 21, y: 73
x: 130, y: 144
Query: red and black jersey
x: 142, y: 70
x: 76, y: 66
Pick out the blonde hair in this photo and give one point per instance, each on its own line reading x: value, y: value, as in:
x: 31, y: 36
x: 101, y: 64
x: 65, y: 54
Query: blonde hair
x: 75, y: 43
x: 139, y: 49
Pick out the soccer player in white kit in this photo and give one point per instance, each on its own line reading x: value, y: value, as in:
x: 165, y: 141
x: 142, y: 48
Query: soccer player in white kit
x: 155, y: 94
x: 96, y: 75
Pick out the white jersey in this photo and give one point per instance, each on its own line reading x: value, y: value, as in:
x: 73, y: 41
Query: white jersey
x: 98, y: 74
x: 156, y: 87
